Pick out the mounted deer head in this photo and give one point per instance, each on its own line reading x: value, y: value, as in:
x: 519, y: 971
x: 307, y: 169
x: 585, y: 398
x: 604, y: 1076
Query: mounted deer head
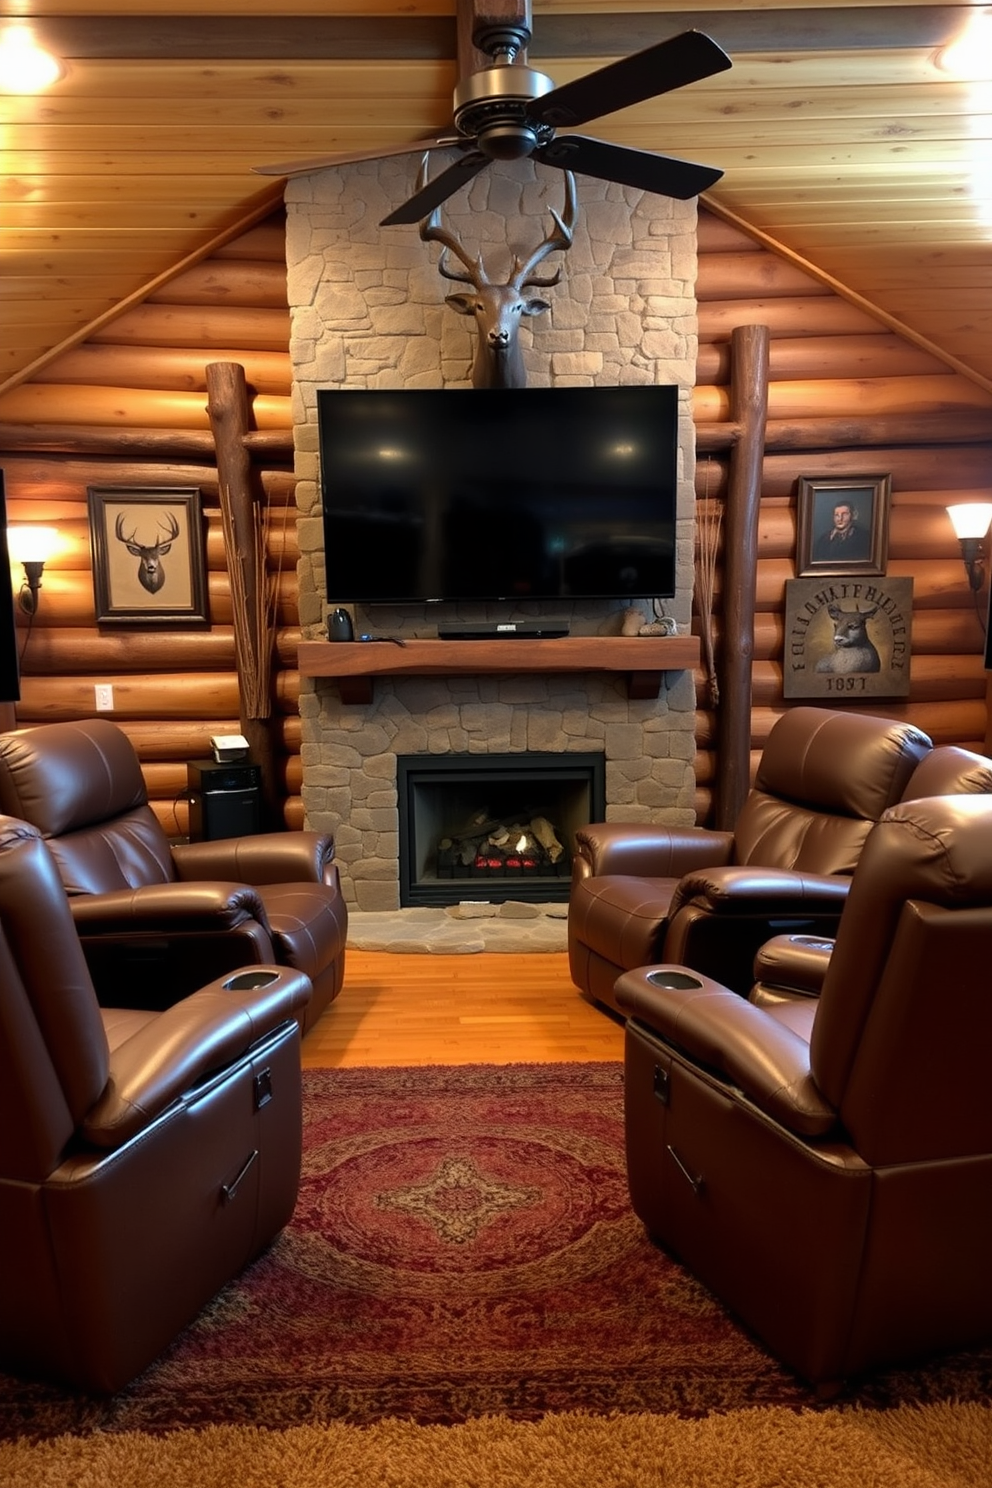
x: 151, y: 574
x: 498, y: 308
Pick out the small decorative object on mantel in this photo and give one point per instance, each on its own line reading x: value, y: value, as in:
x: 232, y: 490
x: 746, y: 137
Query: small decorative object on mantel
x: 634, y: 623
x: 847, y: 639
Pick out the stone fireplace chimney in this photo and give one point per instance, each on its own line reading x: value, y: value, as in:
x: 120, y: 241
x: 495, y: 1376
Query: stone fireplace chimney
x: 368, y: 310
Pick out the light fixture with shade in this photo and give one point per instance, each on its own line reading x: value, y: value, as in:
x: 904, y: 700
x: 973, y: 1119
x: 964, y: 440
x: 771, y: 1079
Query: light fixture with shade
x: 32, y: 547
x: 970, y: 520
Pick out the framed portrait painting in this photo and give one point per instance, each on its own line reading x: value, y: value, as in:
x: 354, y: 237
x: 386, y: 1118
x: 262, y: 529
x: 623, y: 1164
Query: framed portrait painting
x: 148, y: 555
x: 842, y: 526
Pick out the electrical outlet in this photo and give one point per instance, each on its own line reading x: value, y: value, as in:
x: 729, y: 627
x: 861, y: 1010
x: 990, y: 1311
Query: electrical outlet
x: 104, y: 697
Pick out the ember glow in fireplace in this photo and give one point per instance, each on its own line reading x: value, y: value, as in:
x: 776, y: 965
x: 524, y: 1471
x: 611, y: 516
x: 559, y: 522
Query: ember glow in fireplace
x: 493, y: 826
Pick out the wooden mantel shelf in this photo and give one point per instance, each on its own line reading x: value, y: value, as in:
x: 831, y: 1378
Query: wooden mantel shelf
x: 354, y: 664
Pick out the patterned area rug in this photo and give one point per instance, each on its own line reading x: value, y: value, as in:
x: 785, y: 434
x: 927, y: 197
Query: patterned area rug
x: 463, y: 1245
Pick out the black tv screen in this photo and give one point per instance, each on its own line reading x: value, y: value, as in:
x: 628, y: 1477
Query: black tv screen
x: 498, y: 495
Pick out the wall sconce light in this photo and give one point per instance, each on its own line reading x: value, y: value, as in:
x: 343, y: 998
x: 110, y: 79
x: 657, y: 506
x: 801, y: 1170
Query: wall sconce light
x: 32, y: 547
x: 970, y: 521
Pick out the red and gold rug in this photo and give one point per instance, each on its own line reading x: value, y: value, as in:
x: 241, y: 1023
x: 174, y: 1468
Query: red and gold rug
x: 463, y: 1246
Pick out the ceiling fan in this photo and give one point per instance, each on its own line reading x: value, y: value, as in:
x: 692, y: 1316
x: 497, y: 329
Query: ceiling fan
x: 507, y: 111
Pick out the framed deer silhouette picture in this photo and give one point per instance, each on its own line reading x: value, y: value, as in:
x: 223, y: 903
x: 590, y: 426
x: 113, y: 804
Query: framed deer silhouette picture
x: 148, y: 555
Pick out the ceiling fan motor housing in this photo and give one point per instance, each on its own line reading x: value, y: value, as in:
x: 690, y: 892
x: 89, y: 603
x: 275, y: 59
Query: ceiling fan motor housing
x: 491, y: 107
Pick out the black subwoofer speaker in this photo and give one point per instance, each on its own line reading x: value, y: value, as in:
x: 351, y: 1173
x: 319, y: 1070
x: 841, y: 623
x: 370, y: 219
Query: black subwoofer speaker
x: 225, y: 800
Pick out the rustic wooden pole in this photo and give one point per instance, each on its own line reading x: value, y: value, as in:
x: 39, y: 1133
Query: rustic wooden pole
x: 230, y: 421
x: 749, y: 404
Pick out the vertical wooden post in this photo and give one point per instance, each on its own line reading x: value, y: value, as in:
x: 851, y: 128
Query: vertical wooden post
x: 229, y: 411
x: 749, y: 411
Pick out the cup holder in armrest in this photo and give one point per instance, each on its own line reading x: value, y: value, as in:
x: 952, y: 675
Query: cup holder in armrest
x: 250, y: 981
x: 676, y: 979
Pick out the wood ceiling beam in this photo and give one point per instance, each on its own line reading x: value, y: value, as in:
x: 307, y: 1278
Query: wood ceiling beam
x: 376, y: 38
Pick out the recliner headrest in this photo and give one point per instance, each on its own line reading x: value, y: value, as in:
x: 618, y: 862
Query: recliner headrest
x: 851, y: 764
x: 63, y: 777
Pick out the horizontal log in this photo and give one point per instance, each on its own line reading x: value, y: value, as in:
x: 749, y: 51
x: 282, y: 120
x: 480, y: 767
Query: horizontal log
x: 56, y: 650
x: 121, y: 442
x: 249, y: 283
x: 75, y: 552
x: 936, y: 633
x: 173, y: 818
x: 715, y: 234
x: 754, y: 274
x: 267, y: 240
x: 293, y: 814
x: 168, y: 780
x: 799, y: 316
x: 158, y: 696
x: 126, y: 407
x: 819, y: 357
x: 914, y: 530
x: 189, y: 738
x: 836, y: 397
x: 954, y: 427
x: 178, y: 368
x: 932, y: 679
x: 202, y: 325
x: 929, y: 467
x: 67, y: 599
x: 938, y: 583
x: 62, y: 493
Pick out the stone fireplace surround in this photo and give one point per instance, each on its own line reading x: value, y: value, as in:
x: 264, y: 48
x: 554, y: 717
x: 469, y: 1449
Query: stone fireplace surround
x: 368, y: 310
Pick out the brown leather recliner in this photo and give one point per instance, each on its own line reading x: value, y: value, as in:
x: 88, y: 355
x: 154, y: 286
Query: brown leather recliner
x: 645, y: 893
x: 161, y: 919
x: 789, y: 969
x: 834, y: 1190
x: 145, y: 1158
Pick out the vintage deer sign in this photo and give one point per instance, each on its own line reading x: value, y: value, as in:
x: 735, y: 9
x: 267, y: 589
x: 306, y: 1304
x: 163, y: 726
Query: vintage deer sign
x: 498, y: 308
x: 151, y: 574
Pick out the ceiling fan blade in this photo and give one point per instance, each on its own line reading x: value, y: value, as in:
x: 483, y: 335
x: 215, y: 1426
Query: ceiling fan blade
x: 658, y: 69
x: 348, y: 157
x: 640, y: 168
x: 423, y: 202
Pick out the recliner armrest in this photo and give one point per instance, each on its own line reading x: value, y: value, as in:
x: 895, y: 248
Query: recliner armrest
x: 728, y: 1035
x: 646, y: 851
x: 793, y: 964
x: 168, y: 908
x: 764, y: 891
x: 172, y: 1052
x: 267, y: 857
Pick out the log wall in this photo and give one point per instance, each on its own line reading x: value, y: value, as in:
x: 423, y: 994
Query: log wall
x: 129, y: 408
x: 846, y: 397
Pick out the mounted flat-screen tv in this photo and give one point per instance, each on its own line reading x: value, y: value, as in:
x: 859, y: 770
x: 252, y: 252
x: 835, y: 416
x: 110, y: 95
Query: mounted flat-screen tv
x: 505, y: 494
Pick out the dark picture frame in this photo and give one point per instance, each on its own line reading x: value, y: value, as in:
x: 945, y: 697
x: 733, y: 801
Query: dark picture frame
x: 148, y: 555
x: 860, y: 546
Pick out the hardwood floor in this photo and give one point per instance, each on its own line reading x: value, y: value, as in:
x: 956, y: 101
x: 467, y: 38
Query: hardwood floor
x: 492, y: 1008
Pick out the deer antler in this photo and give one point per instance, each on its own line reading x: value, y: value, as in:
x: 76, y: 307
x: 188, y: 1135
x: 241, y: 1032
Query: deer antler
x: 559, y: 237
x: 173, y: 531
x: 431, y: 231
x: 119, y: 530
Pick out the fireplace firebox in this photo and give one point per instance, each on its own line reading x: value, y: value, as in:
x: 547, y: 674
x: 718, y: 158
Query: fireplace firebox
x: 492, y: 827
